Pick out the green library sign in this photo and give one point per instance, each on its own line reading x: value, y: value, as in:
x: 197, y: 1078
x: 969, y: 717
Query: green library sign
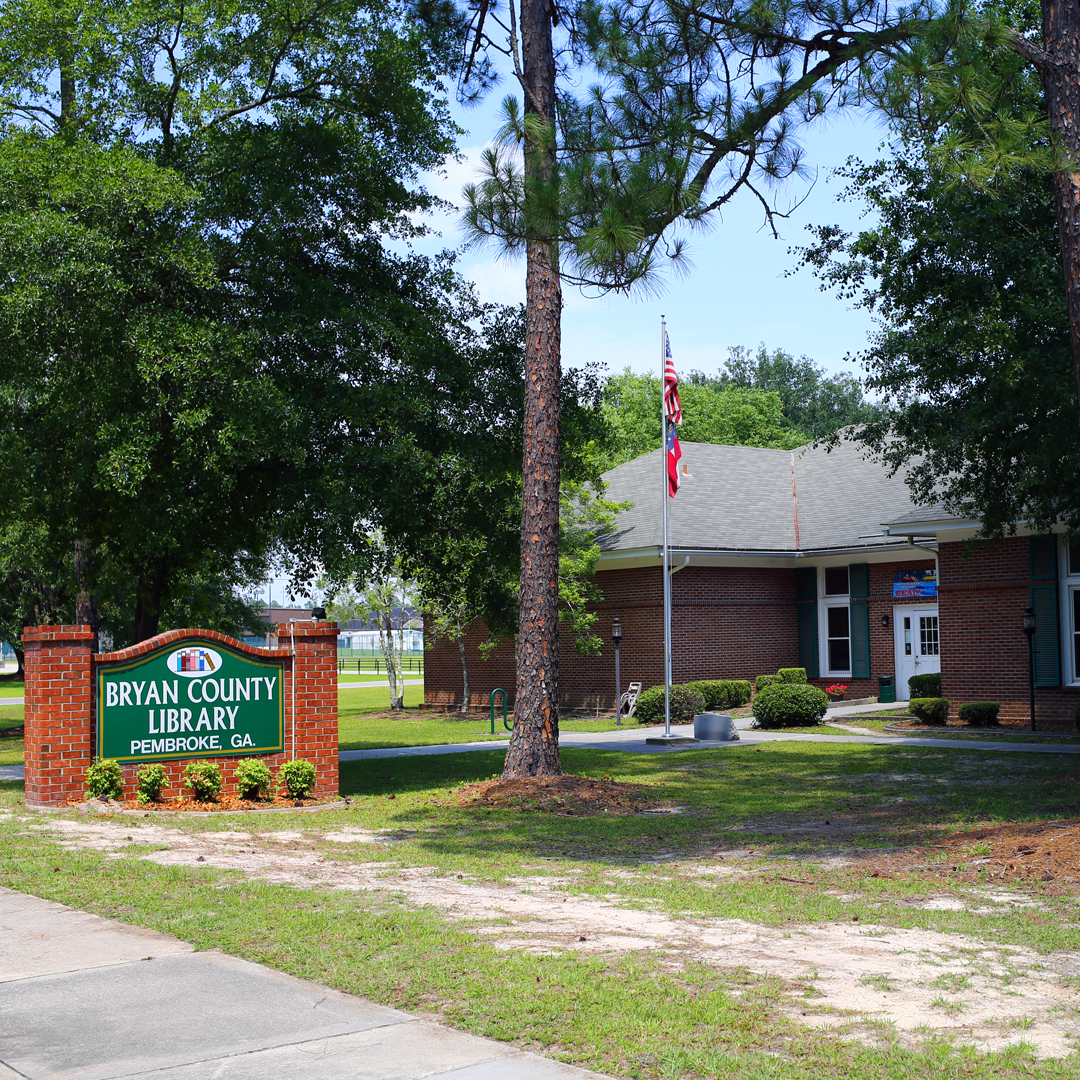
x: 192, y: 699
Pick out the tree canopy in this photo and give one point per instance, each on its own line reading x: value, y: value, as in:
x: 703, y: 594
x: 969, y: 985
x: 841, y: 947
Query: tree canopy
x: 757, y: 399
x: 210, y: 352
x: 973, y: 357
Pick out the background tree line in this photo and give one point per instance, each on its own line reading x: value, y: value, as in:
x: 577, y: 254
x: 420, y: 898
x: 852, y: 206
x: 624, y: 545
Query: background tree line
x: 760, y: 398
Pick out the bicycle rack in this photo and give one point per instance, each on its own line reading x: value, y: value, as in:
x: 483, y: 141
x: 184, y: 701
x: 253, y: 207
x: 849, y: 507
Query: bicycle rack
x: 508, y: 724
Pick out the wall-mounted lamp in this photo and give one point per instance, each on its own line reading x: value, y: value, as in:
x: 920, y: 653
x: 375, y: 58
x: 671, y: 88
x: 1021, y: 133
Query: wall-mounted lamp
x: 884, y: 620
x: 616, y: 637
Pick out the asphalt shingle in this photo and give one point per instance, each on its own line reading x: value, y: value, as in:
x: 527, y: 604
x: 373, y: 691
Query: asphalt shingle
x: 739, y: 498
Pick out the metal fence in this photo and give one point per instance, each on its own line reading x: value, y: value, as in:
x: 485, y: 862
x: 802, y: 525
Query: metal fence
x: 360, y: 664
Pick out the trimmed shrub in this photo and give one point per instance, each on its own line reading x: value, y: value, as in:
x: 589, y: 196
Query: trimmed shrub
x: 789, y: 705
x: 925, y: 686
x: 737, y: 692
x: 792, y: 674
x: 765, y: 680
x: 722, y: 693
x: 979, y: 713
x: 686, y: 703
x: 930, y: 710
x: 204, y: 779
x: 105, y: 779
x: 253, y: 778
x: 150, y: 781
x: 297, y: 778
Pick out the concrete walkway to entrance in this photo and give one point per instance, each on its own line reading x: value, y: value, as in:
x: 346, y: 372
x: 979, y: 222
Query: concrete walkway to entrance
x: 86, y: 998
x: 633, y: 741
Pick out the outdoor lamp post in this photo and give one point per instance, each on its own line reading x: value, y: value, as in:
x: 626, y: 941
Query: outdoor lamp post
x: 1029, y: 629
x: 616, y: 638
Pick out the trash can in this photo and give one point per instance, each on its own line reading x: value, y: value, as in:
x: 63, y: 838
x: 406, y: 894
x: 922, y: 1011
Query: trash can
x: 886, y: 688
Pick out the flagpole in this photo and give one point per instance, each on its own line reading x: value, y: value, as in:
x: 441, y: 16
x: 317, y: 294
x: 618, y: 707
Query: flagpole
x: 666, y: 497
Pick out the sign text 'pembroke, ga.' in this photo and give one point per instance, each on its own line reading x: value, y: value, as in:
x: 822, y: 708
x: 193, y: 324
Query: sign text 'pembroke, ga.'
x: 195, y: 700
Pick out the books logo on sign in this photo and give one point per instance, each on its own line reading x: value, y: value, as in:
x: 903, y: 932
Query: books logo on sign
x: 194, y: 662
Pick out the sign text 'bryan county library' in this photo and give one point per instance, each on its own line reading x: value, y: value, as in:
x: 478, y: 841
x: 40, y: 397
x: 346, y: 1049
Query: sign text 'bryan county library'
x: 195, y: 700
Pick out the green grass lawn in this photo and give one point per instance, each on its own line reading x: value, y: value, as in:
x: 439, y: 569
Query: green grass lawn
x: 12, y: 688
x: 358, y: 729
x: 11, y: 746
x: 748, y: 844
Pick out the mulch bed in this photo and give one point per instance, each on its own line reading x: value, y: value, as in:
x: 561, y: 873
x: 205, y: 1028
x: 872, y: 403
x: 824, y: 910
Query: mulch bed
x: 222, y: 803
x: 564, y: 796
x: 1033, y: 851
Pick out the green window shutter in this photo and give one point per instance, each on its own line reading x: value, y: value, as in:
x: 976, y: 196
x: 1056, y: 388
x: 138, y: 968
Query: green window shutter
x: 859, y: 579
x: 806, y: 591
x: 1043, y: 596
x: 1042, y: 558
x: 859, y: 611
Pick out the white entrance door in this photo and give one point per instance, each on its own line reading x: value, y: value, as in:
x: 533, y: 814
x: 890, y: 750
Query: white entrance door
x: 918, y: 649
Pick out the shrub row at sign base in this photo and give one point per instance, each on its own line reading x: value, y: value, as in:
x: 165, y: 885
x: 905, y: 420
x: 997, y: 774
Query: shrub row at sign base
x: 296, y: 778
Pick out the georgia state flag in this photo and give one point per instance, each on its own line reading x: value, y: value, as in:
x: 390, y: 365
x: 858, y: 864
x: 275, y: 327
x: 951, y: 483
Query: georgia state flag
x: 673, y: 456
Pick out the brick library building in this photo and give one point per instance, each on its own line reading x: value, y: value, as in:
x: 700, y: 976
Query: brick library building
x: 817, y: 559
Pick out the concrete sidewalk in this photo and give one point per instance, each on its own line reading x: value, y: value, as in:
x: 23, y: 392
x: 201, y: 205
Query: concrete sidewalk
x: 632, y: 740
x: 86, y: 998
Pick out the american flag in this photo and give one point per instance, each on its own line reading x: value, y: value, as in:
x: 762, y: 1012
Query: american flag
x: 672, y: 408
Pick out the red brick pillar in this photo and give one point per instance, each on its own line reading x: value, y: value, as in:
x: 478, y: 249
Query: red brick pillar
x: 316, y: 716
x: 59, y: 712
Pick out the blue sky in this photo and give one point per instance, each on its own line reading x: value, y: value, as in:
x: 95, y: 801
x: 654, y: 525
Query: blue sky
x: 739, y: 291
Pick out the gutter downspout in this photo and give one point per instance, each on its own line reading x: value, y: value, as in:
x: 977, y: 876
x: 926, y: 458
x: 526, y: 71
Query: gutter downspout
x: 795, y: 500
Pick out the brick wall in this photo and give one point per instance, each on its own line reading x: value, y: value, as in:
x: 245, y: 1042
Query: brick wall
x: 726, y: 623
x: 60, y: 675
x: 984, y: 589
x: 58, y: 711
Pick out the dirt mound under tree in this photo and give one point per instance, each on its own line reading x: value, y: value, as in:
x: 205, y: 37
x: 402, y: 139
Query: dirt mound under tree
x: 566, y: 796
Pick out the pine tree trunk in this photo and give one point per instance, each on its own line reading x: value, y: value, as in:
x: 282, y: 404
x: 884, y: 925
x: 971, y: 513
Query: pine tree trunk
x: 534, y: 743
x: 1061, y: 80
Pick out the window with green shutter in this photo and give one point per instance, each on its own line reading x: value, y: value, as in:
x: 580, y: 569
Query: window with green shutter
x: 859, y: 575
x: 807, y: 616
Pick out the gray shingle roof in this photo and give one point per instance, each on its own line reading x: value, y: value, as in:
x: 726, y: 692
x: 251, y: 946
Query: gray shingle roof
x: 739, y: 499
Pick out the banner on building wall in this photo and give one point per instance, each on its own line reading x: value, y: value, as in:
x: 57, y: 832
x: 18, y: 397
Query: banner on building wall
x: 915, y: 585
x: 194, y: 700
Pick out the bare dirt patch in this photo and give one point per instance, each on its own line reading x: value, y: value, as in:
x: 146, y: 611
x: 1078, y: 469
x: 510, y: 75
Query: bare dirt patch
x: 565, y: 796
x: 839, y: 975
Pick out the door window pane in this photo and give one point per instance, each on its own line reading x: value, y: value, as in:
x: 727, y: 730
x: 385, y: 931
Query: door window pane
x: 1076, y: 632
x: 907, y: 635
x: 836, y: 581
x: 928, y: 635
x: 839, y: 638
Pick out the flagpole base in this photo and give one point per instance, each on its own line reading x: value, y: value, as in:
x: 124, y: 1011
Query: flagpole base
x: 670, y: 740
